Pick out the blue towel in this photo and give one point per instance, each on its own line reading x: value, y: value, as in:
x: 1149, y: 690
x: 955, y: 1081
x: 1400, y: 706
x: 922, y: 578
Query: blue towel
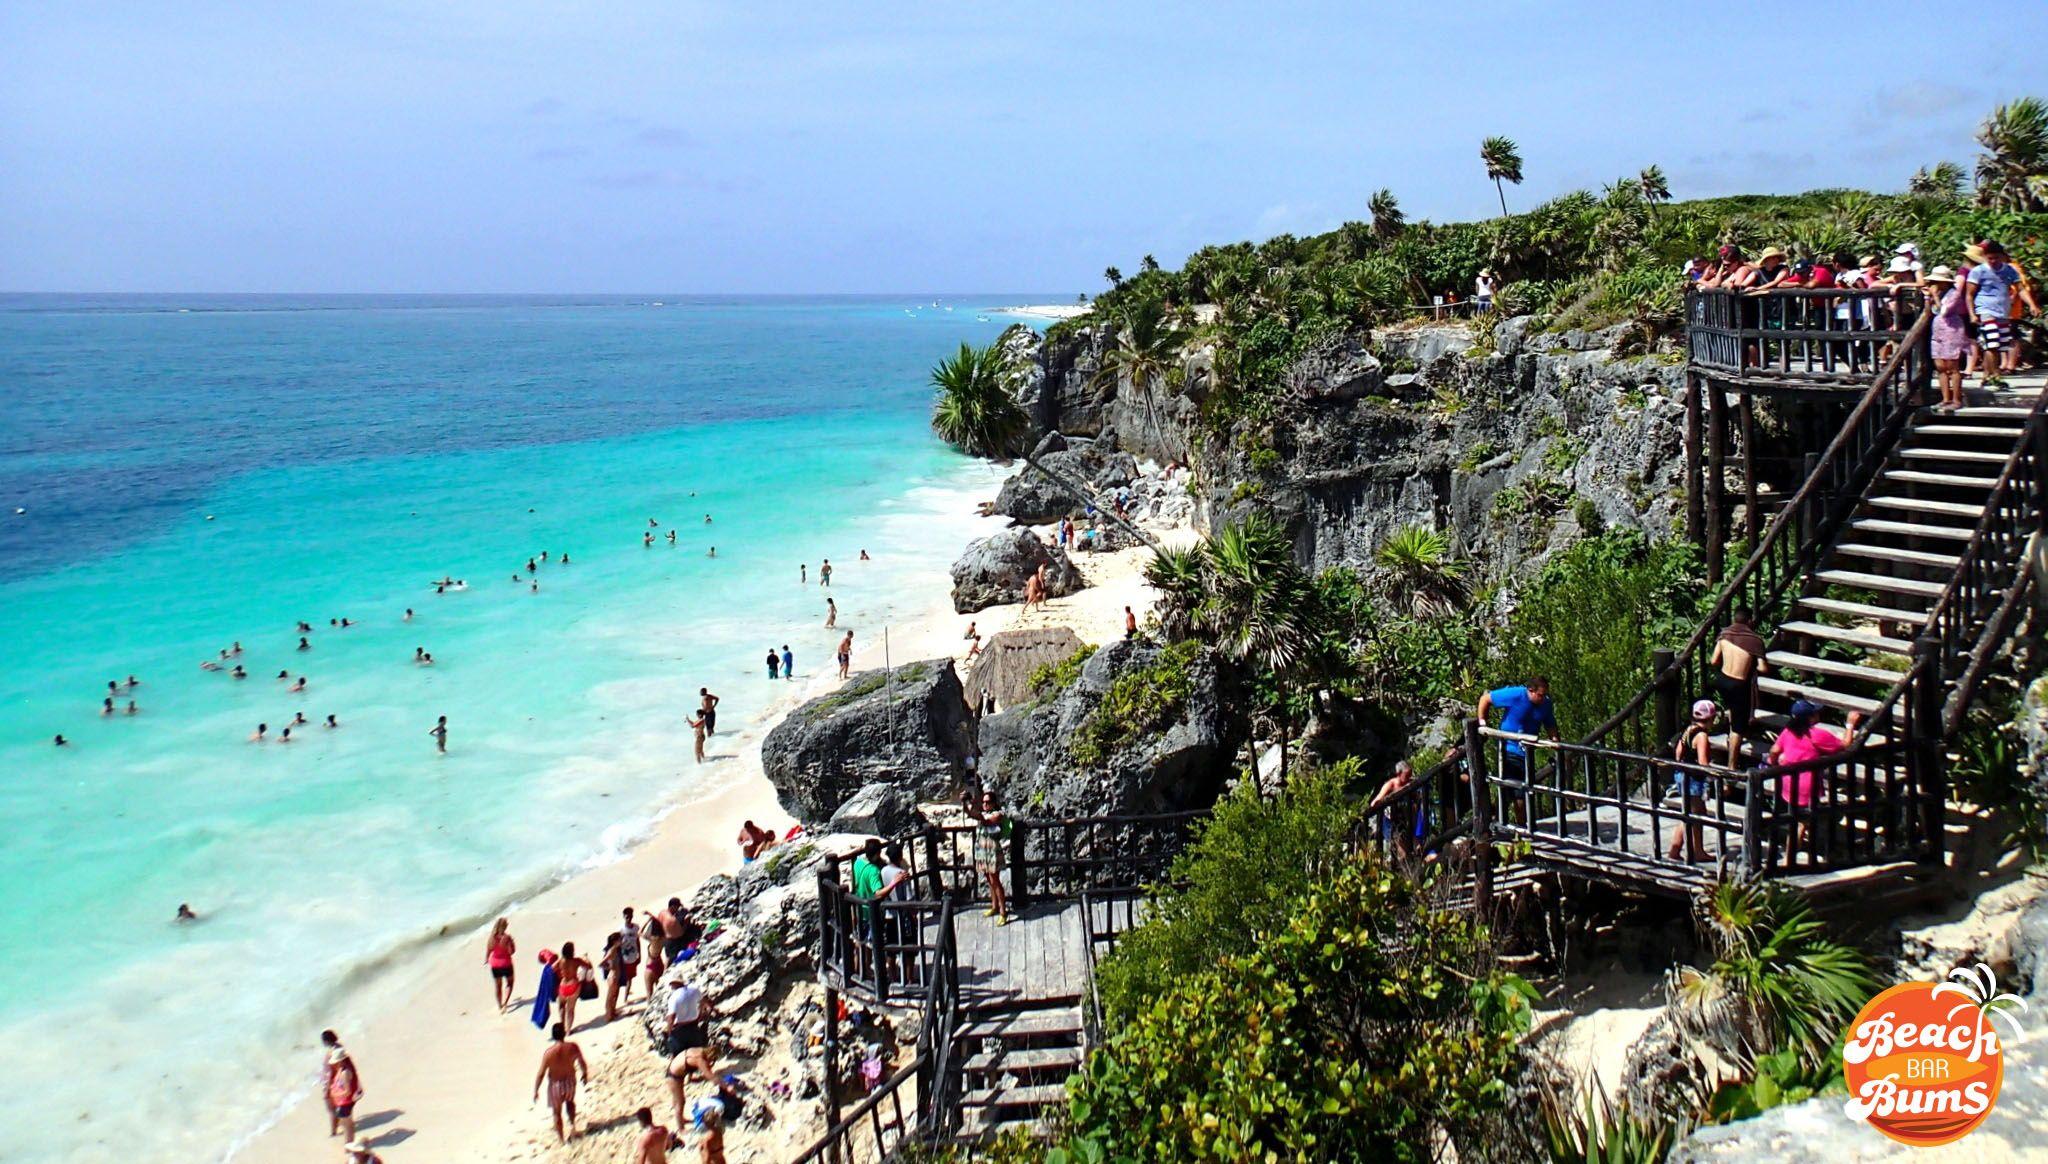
x: 544, y: 998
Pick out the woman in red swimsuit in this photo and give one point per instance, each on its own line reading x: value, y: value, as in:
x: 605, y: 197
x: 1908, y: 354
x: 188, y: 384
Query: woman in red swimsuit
x: 569, y: 986
x: 498, y: 951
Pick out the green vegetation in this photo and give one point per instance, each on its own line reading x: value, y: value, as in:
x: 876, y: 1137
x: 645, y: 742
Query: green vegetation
x: 788, y: 857
x: 1563, y: 454
x: 1418, y: 574
x: 1291, y: 1001
x: 1052, y: 678
x: 863, y: 685
x: 1989, y: 771
x: 1138, y: 703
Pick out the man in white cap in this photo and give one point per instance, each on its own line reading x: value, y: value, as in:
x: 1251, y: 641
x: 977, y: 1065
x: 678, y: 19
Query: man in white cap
x: 360, y: 1152
x: 686, y: 1011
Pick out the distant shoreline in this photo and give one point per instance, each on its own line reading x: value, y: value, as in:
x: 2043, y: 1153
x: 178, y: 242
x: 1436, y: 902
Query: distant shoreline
x: 1047, y: 310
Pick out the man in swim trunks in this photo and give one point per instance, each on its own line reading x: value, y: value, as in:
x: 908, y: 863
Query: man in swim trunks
x: 825, y: 573
x: 558, y: 1067
x: 678, y: 930
x: 845, y: 653
x: 652, y: 1146
x: 774, y: 662
x: 708, y: 704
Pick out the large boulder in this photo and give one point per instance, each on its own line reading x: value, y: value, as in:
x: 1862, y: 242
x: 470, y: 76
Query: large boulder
x: 1028, y: 753
x: 906, y: 728
x: 883, y: 810
x: 1034, y: 496
x: 994, y: 569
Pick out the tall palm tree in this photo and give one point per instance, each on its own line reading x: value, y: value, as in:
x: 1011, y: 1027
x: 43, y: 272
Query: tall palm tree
x: 1503, y: 163
x: 2012, y: 172
x: 1258, y: 606
x: 1148, y: 263
x: 978, y: 413
x: 1387, y: 219
x: 1652, y: 186
x: 1419, y: 574
x: 1146, y: 344
x: 1176, y: 572
x: 1943, y: 183
x: 1115, y: 277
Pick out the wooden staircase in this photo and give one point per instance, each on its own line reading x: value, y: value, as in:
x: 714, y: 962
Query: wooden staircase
x: 1017, y: 1060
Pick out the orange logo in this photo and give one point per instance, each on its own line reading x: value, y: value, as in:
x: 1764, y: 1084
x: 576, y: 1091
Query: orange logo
x: 1924, y: 1062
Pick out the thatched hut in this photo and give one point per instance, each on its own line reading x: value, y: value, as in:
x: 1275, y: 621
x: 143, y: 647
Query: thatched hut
x: 1004, y: 667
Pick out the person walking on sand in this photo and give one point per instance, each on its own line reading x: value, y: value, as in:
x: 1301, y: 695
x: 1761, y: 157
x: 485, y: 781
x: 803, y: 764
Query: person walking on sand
x: 440, y: 733
x: 698, y: 729
x: 788, y: 664
x: 651, y: 947
x: 498, y: 951
x: 653, y: 1144
x: 708, y: 704
x: 825, y: 573
x: 845, y: 654
x: 629, y: 953
x: 615, y: 972
x: 774, y: 661
x: 341, y: 1085
x: 570, y: 971
x: 558, y: 1067
x: 831, y: 613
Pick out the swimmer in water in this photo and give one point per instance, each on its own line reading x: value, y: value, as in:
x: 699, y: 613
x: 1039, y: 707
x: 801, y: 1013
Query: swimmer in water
x: 707, y: 519
x: 671, y: 537
x: 533, y: 589
x: 107, y: 705
x: 285, y: 737
x: 261, y: 733
x: 331, y: 722
x: 209, y: 665
x: 864, y: 556
x: 831, y: 613
x: 419, y: 654
x: 543, y: 555
x: 299, y: 686
x: 185, y: 913
x: 647, y: 539
x: 803, y: 574
x: 112, y: 687
x: 440, y: 733
x: 132, y: 709
x: 60, y: 741
x: 298, y: 719
x: 515, y: 577
x: 565, y: 559
x: 712, y: 552
x: 427, y: 660
x: 305, y: 627
x: 345, y: 624
x: 283, y: 675
x: 440, y: 588
x: 304, y: 645
x: 653, y: 524
x: 333, y: 622
x: 238, y: 672
x: 236, y: 650
x: 132, y: 683
x: 530, y: 567
x: 825, y: 573
x: 408, y: 615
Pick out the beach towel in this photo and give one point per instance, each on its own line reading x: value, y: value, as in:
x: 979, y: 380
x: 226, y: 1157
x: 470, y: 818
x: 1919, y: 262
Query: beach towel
x: 544, y: 997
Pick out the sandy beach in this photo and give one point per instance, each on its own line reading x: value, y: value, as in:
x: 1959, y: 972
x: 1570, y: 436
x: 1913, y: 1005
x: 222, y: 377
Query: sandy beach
x: 1047, y: 310
x: 448, y: 1080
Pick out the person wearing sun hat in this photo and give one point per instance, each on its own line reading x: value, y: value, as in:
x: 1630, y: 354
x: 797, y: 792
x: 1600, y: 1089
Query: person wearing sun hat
x: 1694, y: 747
x: 360, y: 1152
x: 1950, y: 338
x: 1771, y: 270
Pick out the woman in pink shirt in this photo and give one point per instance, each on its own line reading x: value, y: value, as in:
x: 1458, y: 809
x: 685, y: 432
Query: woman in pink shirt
x: 1802, y: 742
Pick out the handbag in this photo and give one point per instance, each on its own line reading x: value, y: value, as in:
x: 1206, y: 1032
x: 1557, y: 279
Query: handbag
x: 587, y: 988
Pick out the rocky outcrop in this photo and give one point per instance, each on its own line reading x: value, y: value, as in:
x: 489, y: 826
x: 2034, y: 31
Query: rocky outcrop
x: 906, y: 729
x: 994, y: 569
x: 1033, y: 496
x: 882, y: 810
x: 1028, y: 753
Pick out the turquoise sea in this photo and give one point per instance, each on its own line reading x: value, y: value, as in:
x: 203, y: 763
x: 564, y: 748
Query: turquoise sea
x: 195, y: 471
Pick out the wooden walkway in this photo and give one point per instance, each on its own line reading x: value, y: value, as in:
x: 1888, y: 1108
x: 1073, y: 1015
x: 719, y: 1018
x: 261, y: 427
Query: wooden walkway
x: 1041, y: 956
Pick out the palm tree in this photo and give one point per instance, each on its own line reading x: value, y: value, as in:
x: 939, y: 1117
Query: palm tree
x: 1943, y: 183
x: 1176, y: 573
x: 1777, y: 982
x: 1418, y: 573
x: 1115, y: 277
x: 1652, y: 186
x: 1387, y: 219
x: 1503, y: 163
x: 1148, y: 263
x: 1355, y: 240
x: 978, y: 413
x: 1258, y: 605
x: 2012, y: 172
x: 1146, y: 344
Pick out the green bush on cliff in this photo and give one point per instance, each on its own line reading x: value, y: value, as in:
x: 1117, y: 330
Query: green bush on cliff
x: 1053, y: 678
x: 1365, y: 1025
x: 1139, y: 702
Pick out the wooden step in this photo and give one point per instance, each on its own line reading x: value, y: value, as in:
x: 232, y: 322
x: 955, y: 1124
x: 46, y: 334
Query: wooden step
x: 1946, y: 480
x: 1038, y: 1096
x: 1820, y: 695
x: 1946, y: 508
x: 1813, y: 664
x: 1971, y: 430
x: 1912, y: 529
x: 1024, y: 1024
x: 2001, y: 411
x: 984, y: 1125
x: 1864, y: 610
x: 1864, y: 581
x: 1063, y: 1059
x: 1917, y: 453
x: 1903, y: 557
x: 1855, y: 638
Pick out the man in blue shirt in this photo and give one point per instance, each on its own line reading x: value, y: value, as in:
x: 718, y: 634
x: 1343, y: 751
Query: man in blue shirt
x: 1524, y: 711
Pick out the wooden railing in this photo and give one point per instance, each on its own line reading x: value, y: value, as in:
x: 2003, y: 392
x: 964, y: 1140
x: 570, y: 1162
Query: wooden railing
x: 1419, y: 819
x: 1830, y: 336
x: 1768, y: 582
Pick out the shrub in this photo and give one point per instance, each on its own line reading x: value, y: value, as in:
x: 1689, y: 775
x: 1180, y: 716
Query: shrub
x: 1053, y: 678
x: 1141, y: 701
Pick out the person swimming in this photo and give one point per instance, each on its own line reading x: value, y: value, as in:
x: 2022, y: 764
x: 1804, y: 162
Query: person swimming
x: 132, y: 709
x: 261, y: 733
x: 283, y: 675
x: 671, y: 537
x: 408, y: 615
x: 60, y: 741
x: 419, y: 654
x: 864, y: 556
x: 298, y: 719
x: 299, y: 685
x: 132, y: 683
x: 107, y: 705
x: 712, y: 553
x: 285, y: 736
x: 236, y: 650
x: 303, y: 644
x: 185, y: 913
x: 238, y: 672
x: 345, y: 624
x: 305, y: 627
x: 565, y: 559
x: 647, y: 539
x: 331, y: 722
x: 531, y: 568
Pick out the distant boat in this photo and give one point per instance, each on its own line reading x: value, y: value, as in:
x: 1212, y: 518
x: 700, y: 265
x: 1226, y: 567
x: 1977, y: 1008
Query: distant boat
x: 659, y: 303
x: 949, y: 309
x: 981, y: 319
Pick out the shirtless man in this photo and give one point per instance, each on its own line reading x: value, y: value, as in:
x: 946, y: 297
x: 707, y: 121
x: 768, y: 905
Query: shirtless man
x: 1738, y: 659
x: 558, y: 1067
x: 845, y: 654
x: 825, y: 573
x: 440, y: 733
x: 708, y: 704
x: 652, y: 1146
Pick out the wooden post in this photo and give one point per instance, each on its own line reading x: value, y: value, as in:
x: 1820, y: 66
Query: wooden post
x: 1928, y: 755
x: 1019, y: 893
x: 1754, y: 524
x: 1717, y: 479
x: 831, y: 1057
x: 1695, y: 516
x: 1753, y: 828
x: 1482, y: 822
x: 931, y: 863
x: 1668, y: 690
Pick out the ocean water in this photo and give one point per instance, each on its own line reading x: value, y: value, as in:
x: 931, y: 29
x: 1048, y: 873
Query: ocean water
x: 201, y: 470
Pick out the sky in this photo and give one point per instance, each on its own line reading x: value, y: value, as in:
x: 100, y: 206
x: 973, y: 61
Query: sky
x: 793, y: 147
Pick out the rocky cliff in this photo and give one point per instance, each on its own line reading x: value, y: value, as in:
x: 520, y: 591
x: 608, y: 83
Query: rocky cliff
x: 1514, y: 442
x: 905, y: 728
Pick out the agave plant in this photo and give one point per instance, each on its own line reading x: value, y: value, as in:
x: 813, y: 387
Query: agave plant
x: 977, y: 412
x: 1418, y: 574
x: 1597, y: 1131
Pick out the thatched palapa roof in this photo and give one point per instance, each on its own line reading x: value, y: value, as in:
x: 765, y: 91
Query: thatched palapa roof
x: 1004, y: 667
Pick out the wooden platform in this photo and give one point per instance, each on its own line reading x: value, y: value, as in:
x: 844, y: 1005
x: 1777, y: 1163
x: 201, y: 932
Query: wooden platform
x: 1041, y: 956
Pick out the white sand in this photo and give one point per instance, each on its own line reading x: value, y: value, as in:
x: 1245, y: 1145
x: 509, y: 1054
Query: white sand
x: 448, y: 1080
x: 1047, y: 310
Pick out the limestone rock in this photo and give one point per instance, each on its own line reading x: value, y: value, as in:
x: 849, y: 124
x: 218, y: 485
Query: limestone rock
x: 1033, y: 496
x: 906, y: 729
x: 994, y: 569
x: 881, y: 809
